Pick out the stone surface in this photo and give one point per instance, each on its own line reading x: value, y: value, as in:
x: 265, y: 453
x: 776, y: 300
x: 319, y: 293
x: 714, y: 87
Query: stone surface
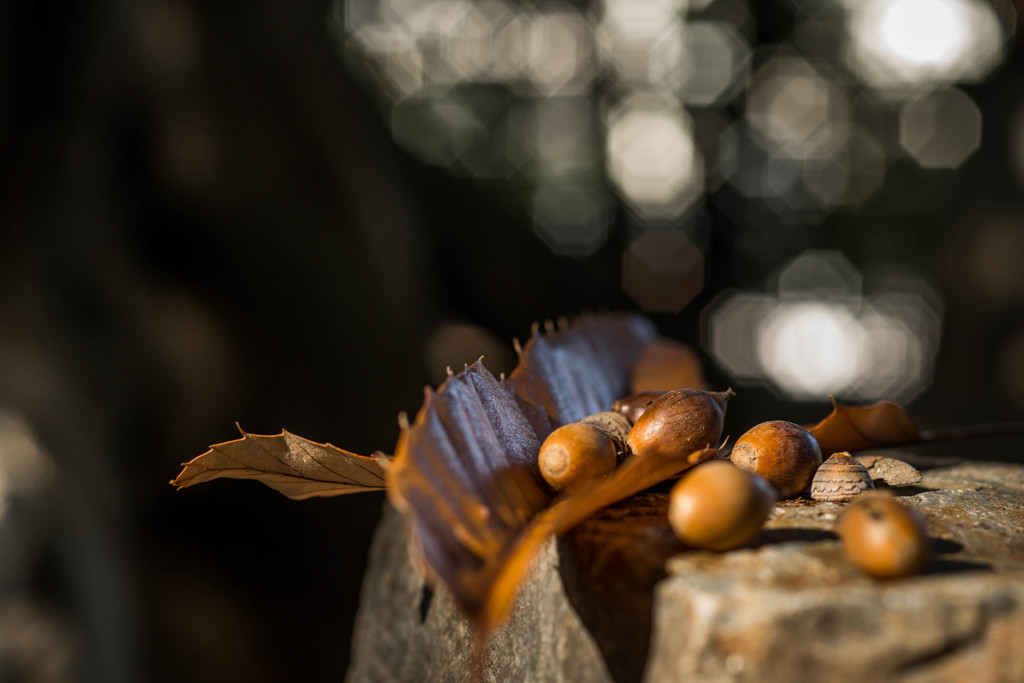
x: 620, y: 599
x: 406, y: 632
x: 890, y: 471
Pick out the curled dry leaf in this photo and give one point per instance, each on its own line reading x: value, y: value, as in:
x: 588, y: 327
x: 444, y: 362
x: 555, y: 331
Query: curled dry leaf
x: 856, y: 428
x: 633, y: 476
x: 296, y: 467
x: 464, y: 472
x: 566, y: 374
x: 465, y: 479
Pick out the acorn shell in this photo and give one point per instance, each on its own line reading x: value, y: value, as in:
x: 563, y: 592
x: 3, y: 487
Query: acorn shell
x: 840, y: 478
x: 615, y: 425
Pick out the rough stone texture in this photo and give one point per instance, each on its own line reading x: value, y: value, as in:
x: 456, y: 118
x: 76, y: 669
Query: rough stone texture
x: 599, y: 605
x: 406, y: 632
x: 889, y: 471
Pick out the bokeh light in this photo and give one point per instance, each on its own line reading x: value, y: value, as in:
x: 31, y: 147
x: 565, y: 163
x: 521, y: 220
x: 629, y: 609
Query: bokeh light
x: 663, y: 271
x: 812, y: 348
x: 652, y: 158
x: 715, y: 63
x: 25, y: 468
x: 795, y: 111
x: 572, y: 219
x: 818, y: 335
x: 940, y: 129
x: 986, y: 261
x: 909, y: 45
x: 541, y: 95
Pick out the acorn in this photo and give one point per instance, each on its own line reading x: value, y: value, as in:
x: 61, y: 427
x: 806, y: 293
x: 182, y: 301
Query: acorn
x: 718, y: 506
x: 782, y: 452
x: 883, y: 537
x: 576, y: 455
x: 840, y: 478
x: 679, y: 422
x: 615, y: 425
x: 634, y: 406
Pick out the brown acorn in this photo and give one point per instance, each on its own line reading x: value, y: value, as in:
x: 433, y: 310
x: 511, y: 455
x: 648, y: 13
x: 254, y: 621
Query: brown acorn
x: 782, y: 452
x: 575, y: 456
x: 840, y: 478
x: 883, y: 537
x: 718, y: 506
x: 679, y: 422
x: 634, y: 406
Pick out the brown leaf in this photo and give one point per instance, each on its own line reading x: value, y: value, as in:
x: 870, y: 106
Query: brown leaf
x: 464, y: 475
x: 580, y: 369
x: 633, y: 476
x: 666, y: 365
x: 856, y: 428
x: 290, y: 464
x: 464, y: 472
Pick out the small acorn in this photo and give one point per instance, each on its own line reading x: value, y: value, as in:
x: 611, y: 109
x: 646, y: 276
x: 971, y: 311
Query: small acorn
x: 883, y: 537
x: 615, y: 425
x: 840, y: 478
x: 679, y: 422
x: 576, y: 455
x: 718, y: 506
x: 634, y: 406
x: 782, y: 452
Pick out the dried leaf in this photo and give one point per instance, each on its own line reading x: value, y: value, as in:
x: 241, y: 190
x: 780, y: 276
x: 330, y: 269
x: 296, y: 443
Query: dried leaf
x: 567, y: 374
x: 290, y: 464
x: 666, y: 365
x: 464, y: 472
x: 856, y: 428
x: 633, y: 476
x: 464, y: 475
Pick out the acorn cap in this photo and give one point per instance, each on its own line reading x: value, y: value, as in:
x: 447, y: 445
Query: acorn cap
x: 840, y: 478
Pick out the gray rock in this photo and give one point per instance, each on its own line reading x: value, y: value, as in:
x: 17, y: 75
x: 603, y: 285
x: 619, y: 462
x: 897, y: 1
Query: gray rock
x: 407, y: 632
x: 890, y: 471
x: 620, y: 599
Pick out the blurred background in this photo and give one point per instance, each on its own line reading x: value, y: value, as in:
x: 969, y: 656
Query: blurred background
x: 295, y: 215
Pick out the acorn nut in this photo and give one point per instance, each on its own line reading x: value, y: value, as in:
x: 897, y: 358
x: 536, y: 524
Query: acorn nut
x: 782, y: 452
x: 615, y: 425
x: 883, y: 537
x: 634, y: 406
x: 718, y: 506
x: 840, y: 478
x: 575, y: 456
x: 679, y: 422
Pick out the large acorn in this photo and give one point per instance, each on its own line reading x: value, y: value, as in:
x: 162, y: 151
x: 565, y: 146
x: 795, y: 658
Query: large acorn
x: 679, y: 422
x: 782, y: 452
x: 575, y: 456
x: 883, y: 537
x: 718, y: 506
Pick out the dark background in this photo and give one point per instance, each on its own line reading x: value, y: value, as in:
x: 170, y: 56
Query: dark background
x: 186, y: 245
